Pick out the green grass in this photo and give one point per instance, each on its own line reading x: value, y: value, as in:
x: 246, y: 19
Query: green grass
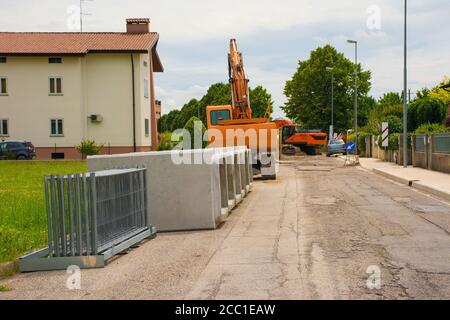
x: 23, y: 222
x: 4, y: 289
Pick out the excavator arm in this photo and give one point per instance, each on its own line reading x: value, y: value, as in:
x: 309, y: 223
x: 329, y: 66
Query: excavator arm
x: 239, y: 84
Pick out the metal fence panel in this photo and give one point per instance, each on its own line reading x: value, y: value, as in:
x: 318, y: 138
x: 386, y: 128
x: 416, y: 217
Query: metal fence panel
x: 441, y: 143
x: 90, y: 213
x: 419, y: 142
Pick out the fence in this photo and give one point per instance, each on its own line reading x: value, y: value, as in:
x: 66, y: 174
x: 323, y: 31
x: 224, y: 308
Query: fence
x: 432, y: 151
x: 91, y: 217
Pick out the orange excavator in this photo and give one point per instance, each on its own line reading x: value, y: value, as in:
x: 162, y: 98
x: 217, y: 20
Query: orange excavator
x: 294, y: 135
x: 234, y: 125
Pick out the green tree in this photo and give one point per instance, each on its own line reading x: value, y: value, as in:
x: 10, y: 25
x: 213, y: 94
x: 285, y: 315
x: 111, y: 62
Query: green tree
x: 390, y: 98
x: 309, y: 91
x: 169, y: 121
x: 395, y: 123
x: 189, y: 110
x: 218, y: 94
x: 365, y: 105
x: 426, y: 110
x: 259, y: 98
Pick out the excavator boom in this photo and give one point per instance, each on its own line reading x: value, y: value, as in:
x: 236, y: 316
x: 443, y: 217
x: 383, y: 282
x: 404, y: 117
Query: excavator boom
x: 239, y: 84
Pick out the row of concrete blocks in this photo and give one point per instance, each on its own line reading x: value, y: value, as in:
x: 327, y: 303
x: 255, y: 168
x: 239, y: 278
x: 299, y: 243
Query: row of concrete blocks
x: 188, y: 189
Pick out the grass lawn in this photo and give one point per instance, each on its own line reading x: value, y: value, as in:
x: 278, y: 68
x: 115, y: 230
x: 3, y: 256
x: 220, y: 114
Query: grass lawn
x: 23, y: 221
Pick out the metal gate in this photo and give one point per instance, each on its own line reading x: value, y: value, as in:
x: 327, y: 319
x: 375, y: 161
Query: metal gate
x: 91, y: 217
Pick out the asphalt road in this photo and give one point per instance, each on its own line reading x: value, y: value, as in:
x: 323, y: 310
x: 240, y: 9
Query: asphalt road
x: 311, y: 234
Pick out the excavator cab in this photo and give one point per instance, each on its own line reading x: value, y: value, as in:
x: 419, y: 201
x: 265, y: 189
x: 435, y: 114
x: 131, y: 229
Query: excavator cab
x: 215, y: 114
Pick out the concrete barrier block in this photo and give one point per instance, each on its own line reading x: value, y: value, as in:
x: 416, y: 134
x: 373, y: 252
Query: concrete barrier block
x: 180, y: 196
x: 197, y: 194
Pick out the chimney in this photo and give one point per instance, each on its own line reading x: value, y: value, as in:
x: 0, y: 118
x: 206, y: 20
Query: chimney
x: 138, y: 25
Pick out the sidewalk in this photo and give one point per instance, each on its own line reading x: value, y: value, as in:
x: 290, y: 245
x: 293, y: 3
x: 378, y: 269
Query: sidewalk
x: 433, y: 182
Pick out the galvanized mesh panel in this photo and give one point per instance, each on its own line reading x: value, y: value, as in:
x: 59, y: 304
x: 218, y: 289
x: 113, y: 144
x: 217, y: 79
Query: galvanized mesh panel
x: 441, y: 142
x: 121, y: 209
x: 89, y: 213
x: 419, y: 143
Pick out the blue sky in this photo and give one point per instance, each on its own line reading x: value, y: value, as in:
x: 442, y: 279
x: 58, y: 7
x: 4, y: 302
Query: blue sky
x: 272, y: 35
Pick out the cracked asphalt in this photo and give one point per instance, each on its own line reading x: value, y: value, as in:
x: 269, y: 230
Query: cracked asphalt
x: 311, y: 234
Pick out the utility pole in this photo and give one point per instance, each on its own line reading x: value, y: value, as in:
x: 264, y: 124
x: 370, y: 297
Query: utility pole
x: 332, y: 103
x: 82, y: 13
x: 356, y: 94
x: 405, y: 85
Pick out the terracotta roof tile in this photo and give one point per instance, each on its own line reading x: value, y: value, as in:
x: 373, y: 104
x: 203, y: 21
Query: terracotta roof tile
x: 31, y: 43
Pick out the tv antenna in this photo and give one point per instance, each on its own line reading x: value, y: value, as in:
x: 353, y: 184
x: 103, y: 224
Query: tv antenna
x: 82, y: 13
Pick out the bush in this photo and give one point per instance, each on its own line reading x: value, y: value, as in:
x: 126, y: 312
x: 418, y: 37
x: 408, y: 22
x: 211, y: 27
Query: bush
x: 166, y: 142
x: 88, y: 148
x: 432, y: 128
x: 426, y: 110
x: 395, y: 123
x: 361, y: 139
x: 191, y: 128
x: 393, y: 141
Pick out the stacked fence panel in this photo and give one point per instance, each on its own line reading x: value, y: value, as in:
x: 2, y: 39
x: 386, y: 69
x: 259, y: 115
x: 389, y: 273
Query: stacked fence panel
x: 90, y: 213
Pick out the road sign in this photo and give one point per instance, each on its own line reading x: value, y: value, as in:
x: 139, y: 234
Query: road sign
x: 384, y: 134
x: 350, y: 147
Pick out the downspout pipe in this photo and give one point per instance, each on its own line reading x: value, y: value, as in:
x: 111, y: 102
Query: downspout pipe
x: 134, y: 103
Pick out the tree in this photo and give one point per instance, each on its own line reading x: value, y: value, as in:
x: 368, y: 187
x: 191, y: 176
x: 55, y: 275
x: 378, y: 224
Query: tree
x: 218, y: 94
x: 426, y: 110
x: 167, y: 121
x: 395, y: 123
x: 189, y: 110
x: 259, y: 98
x: 390, y: 98
x: 309, y: 91
x: 365, y: 105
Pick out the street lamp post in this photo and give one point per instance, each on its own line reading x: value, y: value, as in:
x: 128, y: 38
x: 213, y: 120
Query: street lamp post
x: 332, y: 102
x: 355, y: 112
x: 405, y: 101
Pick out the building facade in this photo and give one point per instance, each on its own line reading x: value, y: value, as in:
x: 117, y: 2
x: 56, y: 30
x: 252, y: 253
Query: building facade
x: 58, y: 89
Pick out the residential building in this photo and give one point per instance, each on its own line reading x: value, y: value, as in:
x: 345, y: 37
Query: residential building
x: 57, y: 89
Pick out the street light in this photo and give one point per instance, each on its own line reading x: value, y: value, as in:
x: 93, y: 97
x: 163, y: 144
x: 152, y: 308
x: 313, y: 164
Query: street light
x: 405, y: 102
x: 356, y: 94
x: 332, y: 102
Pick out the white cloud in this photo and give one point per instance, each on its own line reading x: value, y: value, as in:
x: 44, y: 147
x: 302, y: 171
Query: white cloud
x: 176, y: 98
x: 273, y: 35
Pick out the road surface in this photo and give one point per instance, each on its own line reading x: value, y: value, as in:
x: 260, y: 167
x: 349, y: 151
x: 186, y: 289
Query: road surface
x: 311, y: 234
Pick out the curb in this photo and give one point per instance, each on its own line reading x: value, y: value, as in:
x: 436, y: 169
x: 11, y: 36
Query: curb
x: 416, y: 184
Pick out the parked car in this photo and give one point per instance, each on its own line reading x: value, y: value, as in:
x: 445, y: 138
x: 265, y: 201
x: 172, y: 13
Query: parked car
x: 336, y: 146
x: 17, y: 150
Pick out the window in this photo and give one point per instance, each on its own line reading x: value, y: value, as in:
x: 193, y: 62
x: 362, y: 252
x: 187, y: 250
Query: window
x: 55, y: 60
x: 2, y: 59
x: 56, y: 127
x: 3, y: 86
x: 147, y: 127
x: 4, y: 127
x: 217, y: 115
x: 146, y: 88
x: 55, y: 86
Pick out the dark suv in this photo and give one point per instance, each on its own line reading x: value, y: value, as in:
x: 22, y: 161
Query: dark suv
x: 17, y: 150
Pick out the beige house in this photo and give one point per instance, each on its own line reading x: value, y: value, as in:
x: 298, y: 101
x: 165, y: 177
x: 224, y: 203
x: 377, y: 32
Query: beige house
x: 57, y: 89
